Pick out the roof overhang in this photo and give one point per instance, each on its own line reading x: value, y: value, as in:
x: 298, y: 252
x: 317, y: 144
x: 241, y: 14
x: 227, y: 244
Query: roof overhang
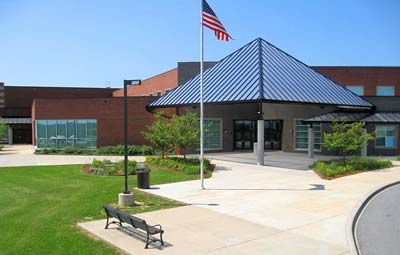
x: 368, y: 117
x: 16, y: 120
x: 260, y: 72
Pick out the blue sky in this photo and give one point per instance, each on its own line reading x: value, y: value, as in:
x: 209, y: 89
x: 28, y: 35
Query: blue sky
x: 100, y: 43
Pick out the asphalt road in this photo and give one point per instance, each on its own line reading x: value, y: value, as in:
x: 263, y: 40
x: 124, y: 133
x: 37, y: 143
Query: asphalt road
x: 378, y: 227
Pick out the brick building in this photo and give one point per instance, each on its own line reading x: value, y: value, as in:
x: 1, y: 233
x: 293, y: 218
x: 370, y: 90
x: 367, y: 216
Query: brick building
x: 90, y: 117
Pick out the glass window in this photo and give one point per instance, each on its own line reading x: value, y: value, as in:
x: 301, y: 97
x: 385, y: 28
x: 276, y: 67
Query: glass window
x: 64, y: 133
x: 41, y: 133
x: 212, y: 134
x: 385, y: 91
x: 385, y: 137
x: 61, y: 133
x: 52, y: 133
x: 301, y: 136
x: 71, y: 133
x: 358, y: 90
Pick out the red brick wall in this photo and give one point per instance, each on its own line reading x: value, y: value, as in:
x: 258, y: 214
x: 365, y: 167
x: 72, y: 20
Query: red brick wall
x: 161, y: 82
x: 107, y: 111
x: 19, y: 99
x: 369, y: 77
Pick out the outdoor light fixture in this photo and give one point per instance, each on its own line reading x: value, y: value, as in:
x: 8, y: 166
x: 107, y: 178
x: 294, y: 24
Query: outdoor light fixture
x: 126, y: 197
x: 132, y: 82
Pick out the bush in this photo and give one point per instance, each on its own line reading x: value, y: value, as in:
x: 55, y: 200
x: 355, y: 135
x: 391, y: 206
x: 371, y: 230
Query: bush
x: 133, y: 150
x: 106, y: 167
x: 189, y: 166
x: 334, y: 168
x: 132, y: 166
x: 1, y: 147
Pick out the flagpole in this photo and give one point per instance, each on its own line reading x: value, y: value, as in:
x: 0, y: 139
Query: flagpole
x: 201, y: 97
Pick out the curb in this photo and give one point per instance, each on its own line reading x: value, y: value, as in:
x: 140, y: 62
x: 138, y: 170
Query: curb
x: 354, y: 216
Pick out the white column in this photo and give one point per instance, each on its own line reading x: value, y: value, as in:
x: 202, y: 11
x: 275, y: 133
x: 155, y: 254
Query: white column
x: 310, y: 141
x: 260, y: 142
x: 364, y: 150
x: 10, y: 135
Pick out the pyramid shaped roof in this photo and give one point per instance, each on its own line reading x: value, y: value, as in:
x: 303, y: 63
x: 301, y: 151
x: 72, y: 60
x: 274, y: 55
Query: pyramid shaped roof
x: 260, y: 72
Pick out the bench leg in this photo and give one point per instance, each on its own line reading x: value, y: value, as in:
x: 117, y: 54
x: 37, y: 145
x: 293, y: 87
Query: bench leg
x: 161, y: 240
x: 107, y: 224
x: 112, y: 222
x: 147, y: 241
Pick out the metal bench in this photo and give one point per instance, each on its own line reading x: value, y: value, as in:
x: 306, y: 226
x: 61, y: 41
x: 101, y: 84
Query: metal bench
x: 134, y: 222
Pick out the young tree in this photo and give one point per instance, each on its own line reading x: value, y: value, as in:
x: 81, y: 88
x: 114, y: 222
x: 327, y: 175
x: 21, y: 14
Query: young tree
x: 186, y: 131
x: 346, y: 138
x: 3, y: 129
x: 159, y: 134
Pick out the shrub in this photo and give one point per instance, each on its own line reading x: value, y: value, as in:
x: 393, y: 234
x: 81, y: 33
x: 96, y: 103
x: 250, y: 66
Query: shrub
x: 133, y: 150
x: 1, y: 147
x: 188, y: 165
x: 132, y: 166
x: 332, y: 168
x: 106, y: 167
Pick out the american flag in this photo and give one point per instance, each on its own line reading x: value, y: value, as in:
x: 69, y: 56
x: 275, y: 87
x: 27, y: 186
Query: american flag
x: 211, y: 21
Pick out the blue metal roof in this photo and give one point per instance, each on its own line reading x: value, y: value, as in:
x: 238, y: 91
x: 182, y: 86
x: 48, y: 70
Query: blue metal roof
x: 376, y: 117
x: 260, y: 72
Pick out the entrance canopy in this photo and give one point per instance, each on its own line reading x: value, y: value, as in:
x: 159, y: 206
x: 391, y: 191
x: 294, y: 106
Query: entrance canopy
x: 260, y: 72
x: 369, y: 117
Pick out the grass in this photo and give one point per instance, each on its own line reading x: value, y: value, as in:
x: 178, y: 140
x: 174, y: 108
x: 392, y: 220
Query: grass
x: 40, y: 206
x: 336, y: 168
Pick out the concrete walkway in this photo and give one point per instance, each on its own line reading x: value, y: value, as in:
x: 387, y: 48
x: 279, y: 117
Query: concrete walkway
x: 23, y: 155
x: 299, y: 212
x: 379, y: 223
x: 193, y: 230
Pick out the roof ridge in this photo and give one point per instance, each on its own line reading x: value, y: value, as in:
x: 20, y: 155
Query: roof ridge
x: 260, y: 68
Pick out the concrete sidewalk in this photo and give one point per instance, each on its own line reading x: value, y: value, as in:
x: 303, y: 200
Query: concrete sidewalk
x: 296, y: 202
x: 193, y: 230
x: 249, y: 209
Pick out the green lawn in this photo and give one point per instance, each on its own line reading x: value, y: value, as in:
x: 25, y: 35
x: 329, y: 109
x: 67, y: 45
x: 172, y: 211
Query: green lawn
x: 40, y: 206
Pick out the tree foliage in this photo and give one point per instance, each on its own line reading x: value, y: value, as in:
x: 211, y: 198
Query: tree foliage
x: 3, y: 129
x: 159, y: 134
x: 179, y: 132
x: 347, y: 138
x: 186, y: 131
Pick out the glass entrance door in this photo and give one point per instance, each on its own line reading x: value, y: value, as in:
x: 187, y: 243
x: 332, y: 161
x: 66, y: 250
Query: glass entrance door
x: 244, y: 131
x: 273, y: 134
x: 245, y: 134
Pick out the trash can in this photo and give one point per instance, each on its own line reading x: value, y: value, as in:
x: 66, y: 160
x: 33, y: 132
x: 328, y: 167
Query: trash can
x: 143, y: 178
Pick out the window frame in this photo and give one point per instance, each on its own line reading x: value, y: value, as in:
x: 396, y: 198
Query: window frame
x: 356, y: 86
x: 395, y: 127
x: 220, y: 137
x: 295, y: 136
x: 385, y: 86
